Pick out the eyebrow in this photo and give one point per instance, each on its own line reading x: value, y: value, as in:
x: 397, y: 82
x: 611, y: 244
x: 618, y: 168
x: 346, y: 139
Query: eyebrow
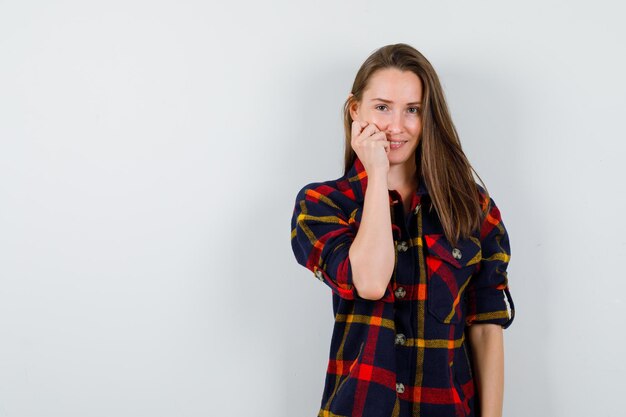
x: 389, y: 101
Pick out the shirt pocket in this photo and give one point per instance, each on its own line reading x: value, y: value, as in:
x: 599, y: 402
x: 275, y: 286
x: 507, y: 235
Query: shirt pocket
x: 449, y: 270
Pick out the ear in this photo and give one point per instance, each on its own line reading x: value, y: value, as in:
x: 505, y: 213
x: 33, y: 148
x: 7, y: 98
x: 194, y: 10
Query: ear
x: 354, y: 108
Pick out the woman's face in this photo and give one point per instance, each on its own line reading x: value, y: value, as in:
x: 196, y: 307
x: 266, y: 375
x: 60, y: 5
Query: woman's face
x: 392, y: 101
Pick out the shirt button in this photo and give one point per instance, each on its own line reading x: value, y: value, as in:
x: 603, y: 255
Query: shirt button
x: 400, y: 339
x: 319, y: 275
x: 400, y: 387
x: 456, y: 253
x: 402, y: 246
x: 417, y: 208
x: 400, y: 292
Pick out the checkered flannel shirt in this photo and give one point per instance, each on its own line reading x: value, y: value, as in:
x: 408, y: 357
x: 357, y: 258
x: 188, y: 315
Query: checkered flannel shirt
x: 405, y: 354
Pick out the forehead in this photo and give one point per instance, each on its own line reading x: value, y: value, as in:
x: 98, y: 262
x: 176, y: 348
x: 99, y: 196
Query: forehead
x: 395, y: 85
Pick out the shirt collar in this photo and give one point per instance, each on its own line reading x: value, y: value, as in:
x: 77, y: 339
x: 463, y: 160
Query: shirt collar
x: 357, y: 178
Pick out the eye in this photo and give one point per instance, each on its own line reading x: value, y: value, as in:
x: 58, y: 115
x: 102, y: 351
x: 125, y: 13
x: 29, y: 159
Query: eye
x: 380, y: 105
x: 417, y: 110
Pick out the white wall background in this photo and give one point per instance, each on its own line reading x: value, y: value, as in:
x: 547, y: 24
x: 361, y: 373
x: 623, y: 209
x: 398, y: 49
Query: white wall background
x: 150, y: 152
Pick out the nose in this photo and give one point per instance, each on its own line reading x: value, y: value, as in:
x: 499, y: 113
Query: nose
x: 395, y: 124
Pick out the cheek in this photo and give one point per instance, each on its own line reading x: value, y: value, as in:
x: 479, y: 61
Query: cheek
x: 376, y: 118
x: 414, y: 125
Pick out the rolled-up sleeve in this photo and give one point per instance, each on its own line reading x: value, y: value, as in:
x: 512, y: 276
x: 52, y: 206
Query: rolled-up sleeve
x: 488, y: 294
x: 321, y: 235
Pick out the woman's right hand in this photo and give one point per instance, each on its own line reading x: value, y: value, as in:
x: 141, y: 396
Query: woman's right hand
x: 371, y: 146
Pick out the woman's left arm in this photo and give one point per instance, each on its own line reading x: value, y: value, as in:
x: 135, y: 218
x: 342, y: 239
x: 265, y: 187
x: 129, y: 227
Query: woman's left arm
x: 487, y: 346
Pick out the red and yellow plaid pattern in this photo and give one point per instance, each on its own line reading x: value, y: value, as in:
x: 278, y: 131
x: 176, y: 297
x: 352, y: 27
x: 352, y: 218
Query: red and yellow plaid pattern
x: 405, y: 354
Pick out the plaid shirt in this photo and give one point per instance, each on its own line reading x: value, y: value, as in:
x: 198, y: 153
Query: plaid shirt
x: 405, y: 354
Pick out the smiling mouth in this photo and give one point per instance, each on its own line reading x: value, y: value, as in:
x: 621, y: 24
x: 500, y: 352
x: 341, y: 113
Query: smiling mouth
x: 396, y: 145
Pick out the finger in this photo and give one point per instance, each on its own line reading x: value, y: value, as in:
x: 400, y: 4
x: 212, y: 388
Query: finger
x: 379, y: 136
x: 376, y: 128
x: 369, y: 130
x: 357, y: 127
x: 366, y: 132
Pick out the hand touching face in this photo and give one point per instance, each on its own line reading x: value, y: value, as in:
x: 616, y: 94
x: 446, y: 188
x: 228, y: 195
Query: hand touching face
x: 371, y: 146
x: 392, y: 103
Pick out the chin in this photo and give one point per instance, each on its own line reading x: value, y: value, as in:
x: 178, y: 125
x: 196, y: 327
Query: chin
x: 398, y: 160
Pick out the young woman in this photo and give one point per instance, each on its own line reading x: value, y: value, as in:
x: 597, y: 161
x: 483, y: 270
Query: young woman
x: 415, y: 252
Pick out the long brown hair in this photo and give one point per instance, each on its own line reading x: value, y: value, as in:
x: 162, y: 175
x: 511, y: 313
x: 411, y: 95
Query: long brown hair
x: 439, y: 155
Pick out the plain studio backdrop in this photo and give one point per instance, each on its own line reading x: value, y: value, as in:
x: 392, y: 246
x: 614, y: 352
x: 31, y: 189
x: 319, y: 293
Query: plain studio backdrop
x: 150, y: 155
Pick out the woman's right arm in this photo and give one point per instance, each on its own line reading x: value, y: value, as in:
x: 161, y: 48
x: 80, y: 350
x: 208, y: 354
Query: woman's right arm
x: 372, y: 253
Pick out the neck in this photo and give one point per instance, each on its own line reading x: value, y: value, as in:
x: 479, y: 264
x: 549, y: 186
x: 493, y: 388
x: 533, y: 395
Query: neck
x: 402, y: 176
